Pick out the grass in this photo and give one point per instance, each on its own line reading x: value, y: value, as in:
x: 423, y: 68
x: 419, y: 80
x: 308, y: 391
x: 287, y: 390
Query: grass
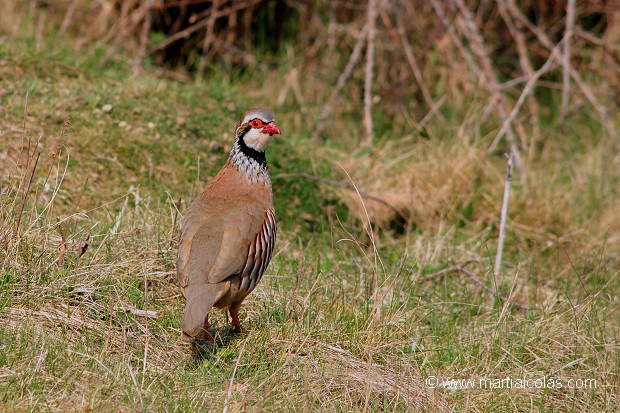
x: 342, y: 321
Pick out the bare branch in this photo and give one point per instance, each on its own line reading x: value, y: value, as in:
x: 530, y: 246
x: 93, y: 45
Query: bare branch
x: 370, y: 62
x: 208, y: 40
x: 524, y: 94
x: 145, y: 14
x: 344, y: 76
x: 488, y: 76
x: 524, y: 60
x: 415, y: 68
x: 568, y: 33
x: 585, y: 90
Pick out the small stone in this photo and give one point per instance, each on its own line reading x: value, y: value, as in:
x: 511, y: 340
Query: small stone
x: 150, y: 125
x: 122, y: 124
x: 106, y: 108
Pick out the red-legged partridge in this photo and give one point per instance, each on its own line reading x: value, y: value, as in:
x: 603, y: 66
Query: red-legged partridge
x: 229, y: 231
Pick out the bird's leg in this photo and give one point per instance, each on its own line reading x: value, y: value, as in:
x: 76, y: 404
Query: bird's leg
x: 234, y: 315
x: 207, y: 336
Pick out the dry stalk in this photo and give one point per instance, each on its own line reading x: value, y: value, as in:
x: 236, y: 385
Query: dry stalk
x: 291, y: 82
x: 185, y: 33
x: 173, y: 229
x: 370, y: 62
x: 568, y: 33
x: 445, y: 271
x: 208, y: 40
x: 415, y: 68
x: 496, y: 97
x: 610, y: 42
x: 68, y: 16
x: 63, y: 244
x: 462, y: 268
x: 144, y: 37
x: 26, y: 193
x: 502, y: 221
x: 342, y: 79
x: 526, y: 65
x: 527, y: 89
x: 434, y: 109
x: 489, y: 80
x: 229, y: 384
x: 585, y: 90
x: 494, y: 293
x: 431, y: 40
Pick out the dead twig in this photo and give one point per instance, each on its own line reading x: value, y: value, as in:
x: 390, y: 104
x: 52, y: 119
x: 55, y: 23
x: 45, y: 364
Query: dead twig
x: 434, y: 109
x: 502, y: 221
x: 445, y: 271
x: 144, y: 36
x: 25, y: 195
x: 342, y: 79
x: 68, y: 17
x: 516, y: 31
x: 63, y: 244
x: 415, y: 68
x: 185, y: 33
x: 208, y: 40
x: 488, y: 76
x: 471, y: 31
x: 492, y: 291
x: 585, y: 90
x: 138, y: 312
x: 568, y: 33
x: 370, y: 62
x: 527, y: 89
x: 461, y: 268
x: 173, y: 230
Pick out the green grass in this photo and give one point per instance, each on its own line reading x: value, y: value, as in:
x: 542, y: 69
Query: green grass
x: 333, y: 326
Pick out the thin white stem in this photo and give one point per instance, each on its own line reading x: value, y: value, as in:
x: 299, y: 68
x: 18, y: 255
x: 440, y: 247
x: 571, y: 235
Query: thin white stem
x: 502, y: 221
x: 370, y: 62
x: 232, y: 380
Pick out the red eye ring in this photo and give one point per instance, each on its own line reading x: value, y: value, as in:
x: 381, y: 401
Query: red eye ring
x: 257, y: 123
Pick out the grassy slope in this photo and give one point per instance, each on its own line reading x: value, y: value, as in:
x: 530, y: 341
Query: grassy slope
x: 331, y: 327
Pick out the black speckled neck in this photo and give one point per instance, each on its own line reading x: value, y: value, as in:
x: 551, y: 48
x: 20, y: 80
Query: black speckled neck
x: 250, y: 152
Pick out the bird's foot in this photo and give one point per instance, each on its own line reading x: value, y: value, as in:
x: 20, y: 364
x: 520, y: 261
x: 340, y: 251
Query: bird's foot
x: 235, y: 321
x: 206, y: 335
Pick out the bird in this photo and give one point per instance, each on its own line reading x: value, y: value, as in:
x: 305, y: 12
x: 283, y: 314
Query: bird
x: 228, y: 233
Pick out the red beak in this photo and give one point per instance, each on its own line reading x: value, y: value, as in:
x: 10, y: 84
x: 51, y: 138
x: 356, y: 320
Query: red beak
x: 271, y: 128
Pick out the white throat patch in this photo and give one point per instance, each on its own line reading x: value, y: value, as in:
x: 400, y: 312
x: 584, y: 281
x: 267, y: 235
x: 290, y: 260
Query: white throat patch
x: 257, y: 140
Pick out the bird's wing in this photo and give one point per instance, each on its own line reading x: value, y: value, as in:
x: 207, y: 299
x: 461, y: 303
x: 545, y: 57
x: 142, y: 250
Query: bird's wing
x: 208, y: 255
x: 200, y: 228
x: 207, y: 252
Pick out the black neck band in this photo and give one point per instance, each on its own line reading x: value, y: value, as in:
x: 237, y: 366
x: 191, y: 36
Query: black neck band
x: 250, y: 152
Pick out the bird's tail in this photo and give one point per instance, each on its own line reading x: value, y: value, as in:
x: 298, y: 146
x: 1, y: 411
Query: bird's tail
x: 200, y: 300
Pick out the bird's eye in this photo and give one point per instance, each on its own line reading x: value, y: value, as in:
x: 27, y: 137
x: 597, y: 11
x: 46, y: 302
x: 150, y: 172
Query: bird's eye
x: 256, y: 123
